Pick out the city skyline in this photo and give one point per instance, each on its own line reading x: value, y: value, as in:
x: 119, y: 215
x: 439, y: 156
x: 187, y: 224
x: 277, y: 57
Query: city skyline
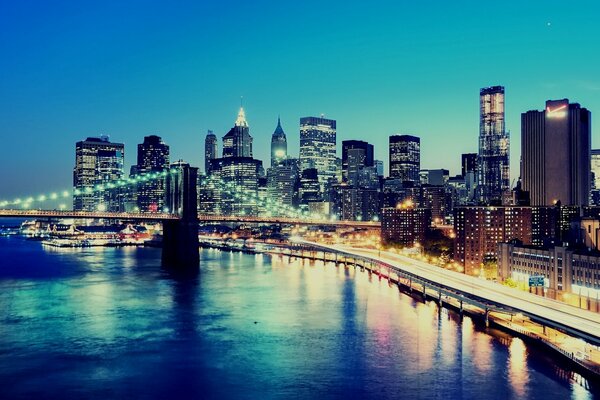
x: 187, y: 87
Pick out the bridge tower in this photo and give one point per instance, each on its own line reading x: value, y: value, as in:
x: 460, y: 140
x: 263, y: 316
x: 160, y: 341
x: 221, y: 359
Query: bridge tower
x: 180, y: 237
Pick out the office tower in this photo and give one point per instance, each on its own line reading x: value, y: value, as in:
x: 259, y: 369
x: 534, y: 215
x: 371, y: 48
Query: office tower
x: 317, y: 147
x: 211, y: 150
x: 238, y: 142
x: 97, y: 162
x: 555, y: 148
x: 379, y: 167
x: 468, y: 163
x: 239, y: 184
x: 355, y: 154
x: 595, y: 171
x: 404, y: 225
x: 278, y: 145
x: 282, y: 180
x: 405, y: 158
x: 152, y: 156
x: 493, y: 169
x: 310, y: 189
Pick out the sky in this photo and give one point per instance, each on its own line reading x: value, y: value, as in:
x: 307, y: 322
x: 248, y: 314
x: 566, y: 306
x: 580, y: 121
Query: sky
x: 69, y: 70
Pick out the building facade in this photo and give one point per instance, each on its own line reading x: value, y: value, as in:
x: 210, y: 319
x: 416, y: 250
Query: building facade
x: 405, y: 157
x: 570, y: 276
x: 318, y: 147
x: 211, y: 150
x: 355, y: 155
x: 479, y: 229
x: 238, y: 142
x: 555, y: 147
x: 152, y: 156
x: 493, y: 168
x: 404, y: 225
x: 278, y: 145
x: 98, y: 161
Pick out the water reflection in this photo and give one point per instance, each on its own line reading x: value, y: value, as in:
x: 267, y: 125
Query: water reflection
x: 113, y: 323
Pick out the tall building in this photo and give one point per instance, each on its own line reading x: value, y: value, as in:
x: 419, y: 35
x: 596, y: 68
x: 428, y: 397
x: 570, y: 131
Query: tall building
x: 555, y: 148
x: 241, y: 174
x: 355, y: 154
x: 379, y: 167
x: 405, y: 158
x: 98, y: 161
x: 468, y: 163
x: 282, y: 181
x: 238, y: 142
x: 211, y: 150
x: 595, y: 171
x: 317, y: 147
x: 278, y: 145
x: 493, y: 169
x: 152, y: 156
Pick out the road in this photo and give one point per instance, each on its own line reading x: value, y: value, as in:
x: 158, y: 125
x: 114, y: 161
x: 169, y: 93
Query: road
x: 529, y: 304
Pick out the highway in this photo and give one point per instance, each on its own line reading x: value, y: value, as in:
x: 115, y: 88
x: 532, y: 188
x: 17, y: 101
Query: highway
x: 530, y: 305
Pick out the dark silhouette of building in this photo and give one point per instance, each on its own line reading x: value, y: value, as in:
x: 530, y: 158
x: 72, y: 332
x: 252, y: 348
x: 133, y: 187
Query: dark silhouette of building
x: 211, y: 150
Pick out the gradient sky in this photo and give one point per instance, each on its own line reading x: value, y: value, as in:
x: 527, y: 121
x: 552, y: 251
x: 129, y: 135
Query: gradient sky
x: 69, y: 70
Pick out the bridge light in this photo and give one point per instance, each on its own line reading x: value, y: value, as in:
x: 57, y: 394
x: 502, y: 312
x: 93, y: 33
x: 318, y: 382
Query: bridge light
x: 42, y: 198
x: 53, y: 196
x: 62, y: 207
x: 101, y: 207
x: 29, y: 200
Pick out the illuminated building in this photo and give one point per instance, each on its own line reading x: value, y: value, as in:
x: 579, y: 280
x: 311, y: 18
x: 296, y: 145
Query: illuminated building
x: 565, y: 271
x: 241, y: 174
x: 210, y: 150
x: 282, y: 180
x: 595, y: 171
x: 152, y: 156
x: 479, y: 229
x: 310, y: 189
x: 238, y: 142
x: 433, y: 197
x: 317, y: 147
x: 278, y: 145
x: 555, y: 146
x: 405, y: 158
x: 468, y: 163
x: 379, y: 167
x: 493, y: 169
x: 98, y: 162
x: 404, y: 224
x: 355, y: 155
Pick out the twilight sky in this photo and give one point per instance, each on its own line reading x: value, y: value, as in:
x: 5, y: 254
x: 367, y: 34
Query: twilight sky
x: 69, y: 70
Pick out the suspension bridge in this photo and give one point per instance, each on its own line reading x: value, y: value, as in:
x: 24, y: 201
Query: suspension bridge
x: 180, y: 219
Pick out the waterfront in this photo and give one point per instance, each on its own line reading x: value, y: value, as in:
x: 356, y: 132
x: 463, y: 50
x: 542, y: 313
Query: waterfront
x: 109, y: 322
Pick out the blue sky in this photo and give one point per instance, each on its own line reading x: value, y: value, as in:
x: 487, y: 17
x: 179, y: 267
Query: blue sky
x: 128, y: 69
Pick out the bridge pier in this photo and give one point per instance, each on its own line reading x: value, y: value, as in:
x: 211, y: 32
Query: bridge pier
x: 180, y: 247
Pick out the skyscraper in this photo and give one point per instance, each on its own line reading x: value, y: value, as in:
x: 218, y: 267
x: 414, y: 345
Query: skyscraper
x: 493, y: 169
x: 153, y: 156
x: 97, y: 162
x: 211, y: 150
x: 317, y: 147
x: 555, y: 148
x: 468, y: 163
x: 405, y: 158
x: 355, y: 154
x: 278, y: 145
x: 595, y: 187
x: 238, y: 142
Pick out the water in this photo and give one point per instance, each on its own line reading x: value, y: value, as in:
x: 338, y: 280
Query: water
x: 110, y: 323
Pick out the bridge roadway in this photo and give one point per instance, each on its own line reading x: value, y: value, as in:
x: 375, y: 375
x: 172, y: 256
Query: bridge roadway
x: 165, y: 216
x: 575, y: 321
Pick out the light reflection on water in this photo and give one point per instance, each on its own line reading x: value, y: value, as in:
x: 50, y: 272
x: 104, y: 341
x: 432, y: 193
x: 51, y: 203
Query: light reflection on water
x: 108, y: 322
